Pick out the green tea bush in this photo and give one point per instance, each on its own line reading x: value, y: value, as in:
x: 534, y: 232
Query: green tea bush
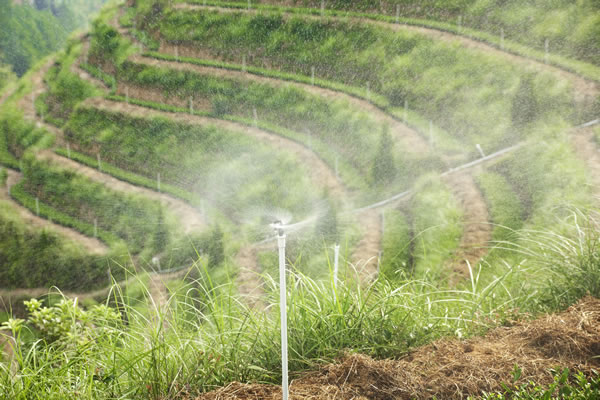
x: 65, y: 88
x: 131, y: 218
x: 568, y: 26
x: 41, y: 258
x: 336, y: 124
x: 190, y: 157
x: 18, y: 135
x: 437, y: 227
x: 397, y: 246
x: 504, y: 204
x: 465, y: 91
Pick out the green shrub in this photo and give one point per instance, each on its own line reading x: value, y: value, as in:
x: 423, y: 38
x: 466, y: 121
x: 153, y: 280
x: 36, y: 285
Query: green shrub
x: 133, y: 219
x: 18, y: 135
x: 565, y: 386
x: 190, y: 157
x: 450, y: 85
x: 40, y: 258
x: 570, y: 28
x: 65, y: 88
x: 335, y: 124
x: 397, y: 246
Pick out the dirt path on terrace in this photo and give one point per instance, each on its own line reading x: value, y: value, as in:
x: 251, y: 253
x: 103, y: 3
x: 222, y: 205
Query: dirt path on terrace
x: 190, y: 219
x: 585, y: 90
x: 452, y: 368
x: 94, y: 246
x: 477, y: 229
x: 407, y: 137
x: 319, y: 171
x: 365, y: 257
x: 588, y: 150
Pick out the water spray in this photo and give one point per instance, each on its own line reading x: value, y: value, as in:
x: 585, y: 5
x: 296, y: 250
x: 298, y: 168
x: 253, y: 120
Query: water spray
x: 278, y: 227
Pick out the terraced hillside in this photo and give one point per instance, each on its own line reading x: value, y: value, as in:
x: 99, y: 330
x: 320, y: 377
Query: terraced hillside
x: 447, y: 154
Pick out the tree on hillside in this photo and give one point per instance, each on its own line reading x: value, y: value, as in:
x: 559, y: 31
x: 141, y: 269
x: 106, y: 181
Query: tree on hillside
x: 525, y: 106
x: 384, y: 169
x: 41, y: 4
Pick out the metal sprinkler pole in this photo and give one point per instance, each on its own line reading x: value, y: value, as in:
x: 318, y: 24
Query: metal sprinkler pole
x: 283, y: 308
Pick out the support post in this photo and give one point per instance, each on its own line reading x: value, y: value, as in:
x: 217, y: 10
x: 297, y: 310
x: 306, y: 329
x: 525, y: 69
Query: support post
x: 283, y: 308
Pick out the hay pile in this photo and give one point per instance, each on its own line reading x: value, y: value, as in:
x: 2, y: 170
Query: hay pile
x: 451, y: 368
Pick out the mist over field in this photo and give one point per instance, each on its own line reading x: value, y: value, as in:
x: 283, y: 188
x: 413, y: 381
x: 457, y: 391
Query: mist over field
x: 303, y: 199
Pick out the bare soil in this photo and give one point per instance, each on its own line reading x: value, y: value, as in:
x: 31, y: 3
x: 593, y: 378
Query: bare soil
x: 452, y: 368
x: 190, y: 219
x: 94, y: 246
x: 477, y: 229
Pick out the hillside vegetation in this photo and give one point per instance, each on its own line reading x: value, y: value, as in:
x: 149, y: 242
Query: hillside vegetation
x: 32, y: 32
x: 435, y: 184
x: 571, y: 28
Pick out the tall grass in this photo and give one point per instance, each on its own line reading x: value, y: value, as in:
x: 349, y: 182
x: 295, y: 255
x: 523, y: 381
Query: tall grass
x: 204, y: 336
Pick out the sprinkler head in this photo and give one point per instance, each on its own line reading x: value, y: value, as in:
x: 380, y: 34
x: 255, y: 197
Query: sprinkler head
x: 277, y: 226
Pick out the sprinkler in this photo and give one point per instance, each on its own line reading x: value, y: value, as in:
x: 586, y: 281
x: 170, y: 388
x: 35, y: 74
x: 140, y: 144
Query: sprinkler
x: 278, y: 228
